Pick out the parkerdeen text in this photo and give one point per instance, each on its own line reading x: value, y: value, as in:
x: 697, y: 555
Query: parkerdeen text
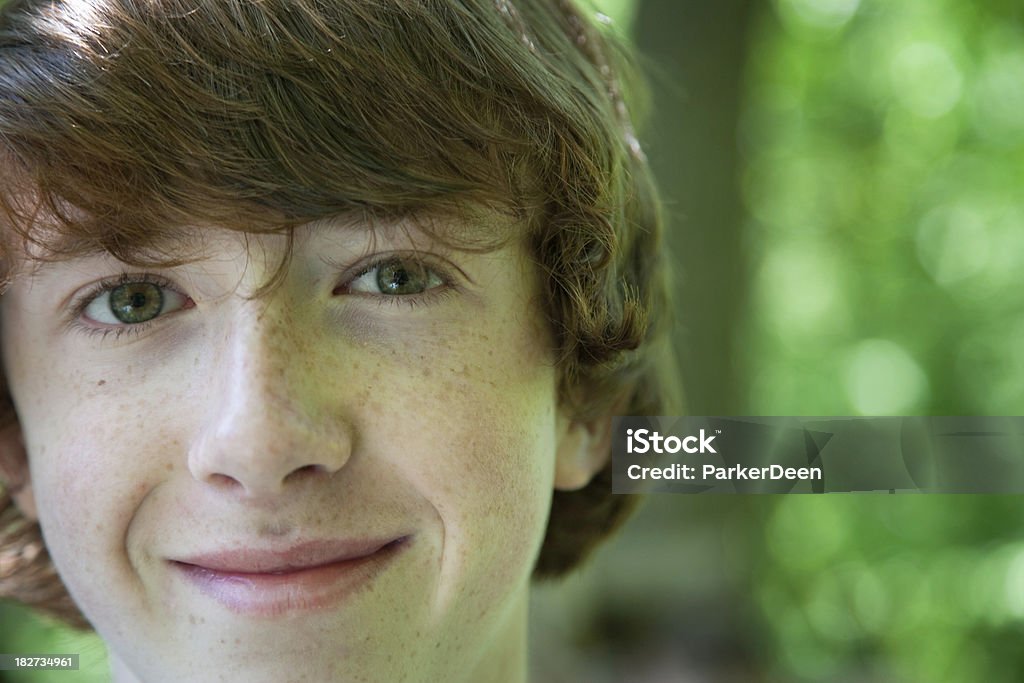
x: 733, y: 473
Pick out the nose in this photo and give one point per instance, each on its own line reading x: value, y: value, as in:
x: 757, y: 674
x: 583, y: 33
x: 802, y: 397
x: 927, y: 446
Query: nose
x: 273, y: 416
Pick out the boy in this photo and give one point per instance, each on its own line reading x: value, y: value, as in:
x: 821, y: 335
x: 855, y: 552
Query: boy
x: 317, y: 314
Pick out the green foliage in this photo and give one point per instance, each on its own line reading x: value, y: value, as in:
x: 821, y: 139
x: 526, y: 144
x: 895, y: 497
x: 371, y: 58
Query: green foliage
x: 884, y: 145
x: 899, y: 588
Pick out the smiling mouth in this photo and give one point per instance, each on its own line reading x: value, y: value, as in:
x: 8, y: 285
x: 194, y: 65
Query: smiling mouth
x: 307, y: 577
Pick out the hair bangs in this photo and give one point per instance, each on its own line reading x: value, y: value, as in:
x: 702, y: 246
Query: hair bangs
x: 142, y: 119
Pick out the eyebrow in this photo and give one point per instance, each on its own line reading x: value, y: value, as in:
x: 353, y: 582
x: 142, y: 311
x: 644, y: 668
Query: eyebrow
x: 475, y: 231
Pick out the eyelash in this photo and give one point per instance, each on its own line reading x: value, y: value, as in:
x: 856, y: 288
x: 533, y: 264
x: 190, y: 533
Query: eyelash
x: 82, y: 302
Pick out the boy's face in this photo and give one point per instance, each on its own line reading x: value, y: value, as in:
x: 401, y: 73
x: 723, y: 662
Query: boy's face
x: 344, y: 478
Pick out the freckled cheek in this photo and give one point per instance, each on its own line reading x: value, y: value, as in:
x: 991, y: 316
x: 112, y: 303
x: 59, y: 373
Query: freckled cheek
x: 493, y: 499
x: 90, y: 479
x: 478, y: 437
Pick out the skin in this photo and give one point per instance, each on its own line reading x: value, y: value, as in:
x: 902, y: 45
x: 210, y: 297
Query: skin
x: 322, y: 408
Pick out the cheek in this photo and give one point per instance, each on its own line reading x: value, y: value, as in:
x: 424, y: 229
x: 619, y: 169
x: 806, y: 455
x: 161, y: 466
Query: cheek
x: 92, y: 463
x: 474, y: 431
x: 477, y: 416
x: 500, y: 493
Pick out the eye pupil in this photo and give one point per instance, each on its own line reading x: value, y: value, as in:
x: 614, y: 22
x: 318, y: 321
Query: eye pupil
x: 136, y: 302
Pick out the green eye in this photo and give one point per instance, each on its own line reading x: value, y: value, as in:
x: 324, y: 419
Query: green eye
x: 136, y: 302
x: 397, y: 277
x: 133, y: 302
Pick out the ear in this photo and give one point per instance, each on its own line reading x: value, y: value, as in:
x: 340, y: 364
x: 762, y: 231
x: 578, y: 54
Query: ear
x: 14, y: 470
x: 583, y: 450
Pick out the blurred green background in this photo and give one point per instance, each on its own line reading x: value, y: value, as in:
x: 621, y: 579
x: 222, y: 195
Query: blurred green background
x: 842, y: 183
x: 844, y: 188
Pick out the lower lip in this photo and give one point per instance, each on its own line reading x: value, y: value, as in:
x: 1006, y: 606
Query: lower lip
x: 304, y: 590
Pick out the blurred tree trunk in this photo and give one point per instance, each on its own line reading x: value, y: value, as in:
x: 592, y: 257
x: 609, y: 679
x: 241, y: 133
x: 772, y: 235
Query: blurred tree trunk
x: 699, y: 48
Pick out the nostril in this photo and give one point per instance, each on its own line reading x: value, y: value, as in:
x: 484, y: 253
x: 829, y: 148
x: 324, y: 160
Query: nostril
x: 224, y: 480
x: 305, y: 472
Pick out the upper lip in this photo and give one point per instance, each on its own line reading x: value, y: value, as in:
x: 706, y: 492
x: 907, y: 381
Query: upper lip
x: 306, y: 555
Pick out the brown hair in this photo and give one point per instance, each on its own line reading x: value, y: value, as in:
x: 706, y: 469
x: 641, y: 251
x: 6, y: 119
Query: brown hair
x: 120, y: 120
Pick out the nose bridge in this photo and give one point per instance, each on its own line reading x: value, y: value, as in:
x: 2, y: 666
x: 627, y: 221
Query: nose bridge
x: 267, y: 416
x: 264, y: 358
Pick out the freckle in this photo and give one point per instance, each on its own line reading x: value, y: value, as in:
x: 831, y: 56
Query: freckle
x: 101, y: 382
